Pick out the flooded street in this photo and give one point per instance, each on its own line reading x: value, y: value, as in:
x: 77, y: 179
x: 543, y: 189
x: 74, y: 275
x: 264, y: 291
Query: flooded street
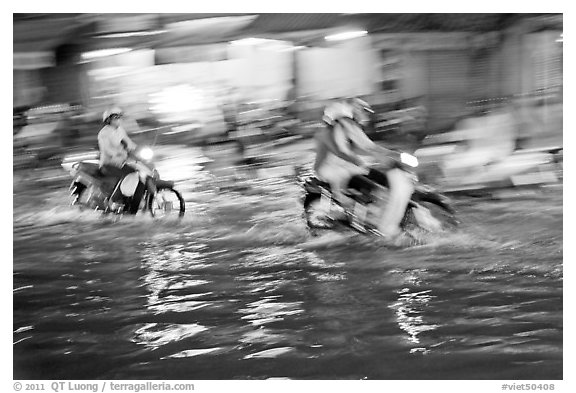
x: 231, y: 291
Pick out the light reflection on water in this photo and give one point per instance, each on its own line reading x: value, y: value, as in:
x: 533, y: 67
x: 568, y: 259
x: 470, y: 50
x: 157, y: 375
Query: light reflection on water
x: 409, y: 310
x: 266, y: 311
x: 155, y: 335
x: 411, y: 306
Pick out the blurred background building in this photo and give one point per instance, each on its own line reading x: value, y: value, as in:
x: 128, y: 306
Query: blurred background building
x: 195, y: 74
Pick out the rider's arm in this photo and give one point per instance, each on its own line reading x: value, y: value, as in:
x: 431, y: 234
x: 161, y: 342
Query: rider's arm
x: 336, y: 144
x: 364, y: 145
x: 129, y: 144
x: 321, y: 153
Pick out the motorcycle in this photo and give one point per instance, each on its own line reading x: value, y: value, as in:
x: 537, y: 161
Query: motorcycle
x: 142, y: 190
x: 427, y: 209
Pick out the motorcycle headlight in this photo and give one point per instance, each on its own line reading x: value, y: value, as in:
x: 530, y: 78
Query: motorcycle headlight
x: 146, y: 154
x: 409, y: 159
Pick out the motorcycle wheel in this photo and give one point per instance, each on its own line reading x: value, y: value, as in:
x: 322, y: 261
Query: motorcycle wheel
x: 429, y: 217
x: 166, y: 202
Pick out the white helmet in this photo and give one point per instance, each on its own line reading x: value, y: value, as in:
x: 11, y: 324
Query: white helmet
x: 112, y: 111
x: 337, y: 110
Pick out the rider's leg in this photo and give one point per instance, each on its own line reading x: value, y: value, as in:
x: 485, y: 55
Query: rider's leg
x: 337, y: 177
x: 111, y: 171
x: 115, y: 175
x: 120, y: 173
x: 136, y: 199
x: 144, y: 183
x: 338, y: 188
x: 401, y: 189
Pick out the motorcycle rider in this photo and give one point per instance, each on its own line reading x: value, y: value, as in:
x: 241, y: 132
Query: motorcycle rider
x: 338, y: 149
x: 115, y: 147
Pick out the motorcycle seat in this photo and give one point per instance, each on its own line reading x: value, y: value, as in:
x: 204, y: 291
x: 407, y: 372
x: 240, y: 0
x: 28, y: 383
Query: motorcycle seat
x: 359, y: 196
x: 106, y: 183
x: 313, y: 183
x: 91, y: 169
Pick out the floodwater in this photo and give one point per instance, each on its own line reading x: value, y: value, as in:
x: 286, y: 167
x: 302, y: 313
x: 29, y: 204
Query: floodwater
x: 235, y: 291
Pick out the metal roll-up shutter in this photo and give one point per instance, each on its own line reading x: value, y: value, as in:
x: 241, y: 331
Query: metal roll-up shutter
x: 448, y: 86
x: 486, y: 80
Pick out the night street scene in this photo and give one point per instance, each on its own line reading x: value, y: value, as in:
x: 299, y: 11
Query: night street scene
x: 288, y: 196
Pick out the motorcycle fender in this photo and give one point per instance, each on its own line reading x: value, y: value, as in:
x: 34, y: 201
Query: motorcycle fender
x: 129, y: 184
